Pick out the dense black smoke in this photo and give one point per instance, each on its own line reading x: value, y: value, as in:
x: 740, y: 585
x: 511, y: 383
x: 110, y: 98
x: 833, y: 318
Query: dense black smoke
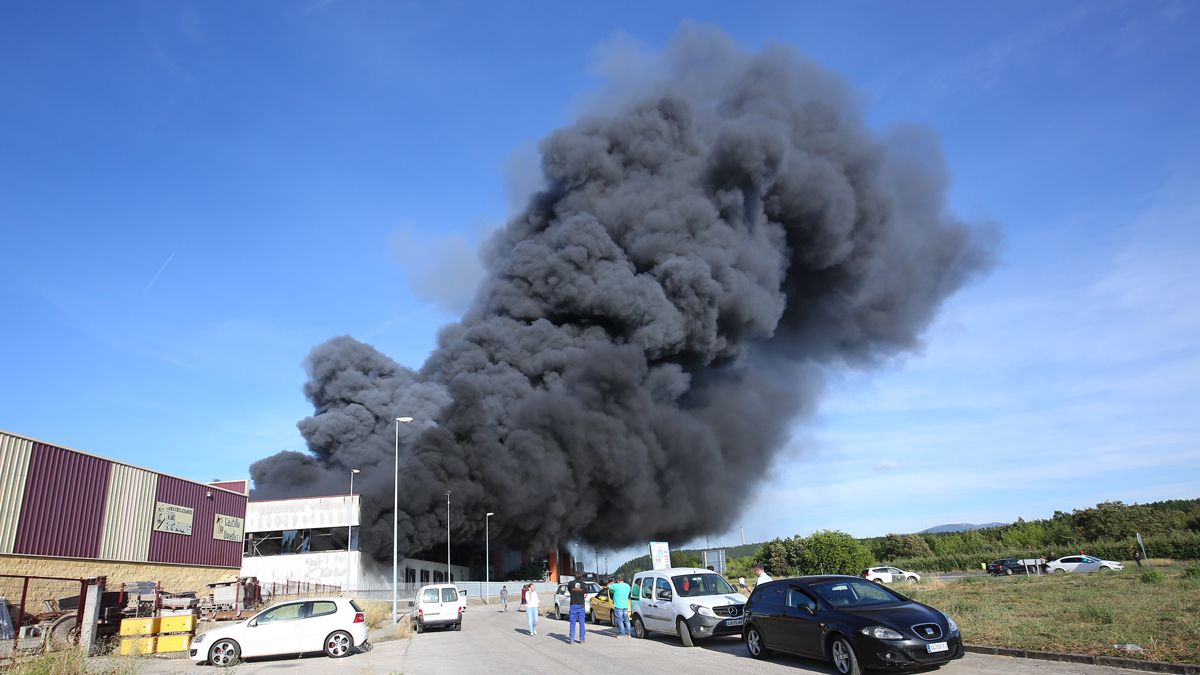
x: 654, y: 320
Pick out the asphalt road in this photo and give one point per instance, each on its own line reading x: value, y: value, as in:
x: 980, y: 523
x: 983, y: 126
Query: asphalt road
x: 495, y: 642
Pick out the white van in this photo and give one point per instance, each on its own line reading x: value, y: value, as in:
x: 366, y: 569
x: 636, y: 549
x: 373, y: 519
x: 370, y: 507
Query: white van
x: 689, y: 602
x: 438, y: 605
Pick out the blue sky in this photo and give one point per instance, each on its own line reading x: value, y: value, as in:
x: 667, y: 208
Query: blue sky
x: 193, y: 195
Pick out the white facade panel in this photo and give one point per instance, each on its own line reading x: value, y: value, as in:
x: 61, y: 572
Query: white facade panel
x: 302, y: 514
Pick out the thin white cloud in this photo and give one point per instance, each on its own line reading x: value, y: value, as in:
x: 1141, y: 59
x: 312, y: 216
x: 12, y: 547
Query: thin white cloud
x: 156, y: 275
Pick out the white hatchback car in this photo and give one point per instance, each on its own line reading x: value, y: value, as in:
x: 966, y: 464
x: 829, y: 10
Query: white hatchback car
x: 333, y: 625
x: 887, y: 575
x: 1082, y: 563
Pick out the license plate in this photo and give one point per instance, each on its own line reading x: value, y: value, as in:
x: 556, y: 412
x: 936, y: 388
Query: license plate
x: 735, y: 622
x: 937, y: 647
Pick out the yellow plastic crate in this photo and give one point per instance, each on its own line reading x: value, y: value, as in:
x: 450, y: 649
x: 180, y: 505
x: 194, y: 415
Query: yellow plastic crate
x: 141, y: 646
x: 139, y: 626
x: 177, y: 624
x: 173, y: 643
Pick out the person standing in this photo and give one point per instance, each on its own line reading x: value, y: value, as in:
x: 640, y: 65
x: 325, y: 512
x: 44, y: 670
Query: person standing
x: 531, y: 608
x: 504, y: 598
x: 1137, y: 556
x: 761, y: 575
x: 578, y: 593
x: 620, y: 597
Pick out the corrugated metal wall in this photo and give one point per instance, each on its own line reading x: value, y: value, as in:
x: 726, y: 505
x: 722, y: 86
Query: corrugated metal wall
x: 129, y: 514
x: 200, y: 548
x: 14, y: 467
x: 63, y: 506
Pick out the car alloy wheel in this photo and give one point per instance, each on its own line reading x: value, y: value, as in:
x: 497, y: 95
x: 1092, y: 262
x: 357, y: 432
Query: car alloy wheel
x: 755, y: 644
x: 639, y: 628
x: 592, y: 618
x: 557, y: 612
x: 1060, y: 571
x: 224, y: 653
x: 844, y: 659
x: 338, y: 644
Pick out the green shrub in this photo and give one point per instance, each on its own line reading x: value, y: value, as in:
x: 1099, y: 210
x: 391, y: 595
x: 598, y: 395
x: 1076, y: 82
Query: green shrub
x: 1191, y: 572
x: 1152, y: 577
x: 1096, y: 613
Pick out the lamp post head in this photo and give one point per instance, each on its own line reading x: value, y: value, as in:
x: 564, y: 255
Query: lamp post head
x: 404, y: 420
x: 355, y: 471
x: 489, y: 513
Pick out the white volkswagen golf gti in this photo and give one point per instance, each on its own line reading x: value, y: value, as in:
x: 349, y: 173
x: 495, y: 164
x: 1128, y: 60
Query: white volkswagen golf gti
x: 332, y: 625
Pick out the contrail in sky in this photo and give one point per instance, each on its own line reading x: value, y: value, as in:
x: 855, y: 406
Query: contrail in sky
x: 156, y: 275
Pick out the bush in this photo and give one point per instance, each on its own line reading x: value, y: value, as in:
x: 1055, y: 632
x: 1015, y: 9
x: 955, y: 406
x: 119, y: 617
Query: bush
x: 1152, y: 577
x: 1191, y: 572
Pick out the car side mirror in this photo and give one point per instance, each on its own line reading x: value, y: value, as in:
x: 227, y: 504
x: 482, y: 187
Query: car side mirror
x: 252, y: 624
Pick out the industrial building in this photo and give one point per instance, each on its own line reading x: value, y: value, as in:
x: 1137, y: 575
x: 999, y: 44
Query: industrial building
x: 66, y: 513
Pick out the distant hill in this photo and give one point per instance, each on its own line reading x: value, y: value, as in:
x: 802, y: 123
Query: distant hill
x: 959, y: 527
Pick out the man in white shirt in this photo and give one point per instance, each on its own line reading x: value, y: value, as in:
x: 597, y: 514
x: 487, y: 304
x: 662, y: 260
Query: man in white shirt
x: 761, y: 575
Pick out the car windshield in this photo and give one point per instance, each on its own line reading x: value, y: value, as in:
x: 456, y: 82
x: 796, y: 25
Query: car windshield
x: 691, y: 585
x: 854, y: 593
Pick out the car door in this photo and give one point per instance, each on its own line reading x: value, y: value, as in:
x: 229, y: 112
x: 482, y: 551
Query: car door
x: 450, y: 603
x: 768, y: 606
x: 1070, y: 563
x: 1088, y: 564
x: 801, y: 628
x: 322, y: 620
x: 431, y: 601
x: 657, y: 610
x: 562, y: 599
x: 275, y: 631
x: 897, y: 574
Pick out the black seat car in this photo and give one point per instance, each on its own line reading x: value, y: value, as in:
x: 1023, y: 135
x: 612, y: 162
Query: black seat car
x: 854, y: 623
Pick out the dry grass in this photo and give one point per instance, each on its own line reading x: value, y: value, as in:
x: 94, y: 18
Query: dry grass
x: 1078, y: 613
x: 70, y: 662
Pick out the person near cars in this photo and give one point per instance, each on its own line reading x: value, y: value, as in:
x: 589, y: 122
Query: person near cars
x: 531, y: 608
x: 761, y: 575
x: 620, y: 599
x: 1137, y: 557
x: 578, y: 592
x: 504, y: 598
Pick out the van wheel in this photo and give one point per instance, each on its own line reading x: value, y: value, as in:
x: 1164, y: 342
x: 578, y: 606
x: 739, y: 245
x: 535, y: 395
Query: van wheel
x: 685, y: 633
x: 755, y: 643
x: 338, y: 644
x: 639, y: 628
x: 458, y: 626
x: 419, y: 627
x: 843, y: 656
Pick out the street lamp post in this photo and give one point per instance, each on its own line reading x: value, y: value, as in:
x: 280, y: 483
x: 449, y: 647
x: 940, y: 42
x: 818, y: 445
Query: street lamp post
x: 350, y: 527
x: 395, y: 512
x: 487, y: 573
x: 447, y: 536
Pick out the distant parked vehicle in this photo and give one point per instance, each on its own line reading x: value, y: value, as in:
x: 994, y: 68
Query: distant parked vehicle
x: 438, y: 605
x: 1082, y: 563
x: 887, y: 575
x: 333, y: 625
x: 562, y: 599
x: 1011, y: 566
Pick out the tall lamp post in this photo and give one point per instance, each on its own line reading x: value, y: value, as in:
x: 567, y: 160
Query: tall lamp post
x: 350, y: 527
x: 487, y: 573
x: 395, y: 512
x: 447, y: 536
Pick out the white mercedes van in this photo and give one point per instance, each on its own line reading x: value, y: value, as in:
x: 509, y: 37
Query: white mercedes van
x: 685, y: 601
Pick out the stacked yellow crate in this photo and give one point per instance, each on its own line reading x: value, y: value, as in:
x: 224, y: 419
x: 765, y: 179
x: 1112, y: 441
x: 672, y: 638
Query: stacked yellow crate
x: 138, y: 636
x: 176, y: 633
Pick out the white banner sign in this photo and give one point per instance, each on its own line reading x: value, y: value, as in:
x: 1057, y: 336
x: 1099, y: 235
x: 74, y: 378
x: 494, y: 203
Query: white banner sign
x: 227, y: 528
x: 172, y: 518
x: 660, y: 555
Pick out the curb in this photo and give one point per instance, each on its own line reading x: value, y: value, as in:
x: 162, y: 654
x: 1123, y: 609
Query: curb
x: 1111, y: 661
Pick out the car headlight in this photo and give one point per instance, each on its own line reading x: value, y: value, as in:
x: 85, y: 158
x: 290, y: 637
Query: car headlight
x: 198, y: 639
x: 950, y: 623
x: 881, y: 633
x: 702, y: 610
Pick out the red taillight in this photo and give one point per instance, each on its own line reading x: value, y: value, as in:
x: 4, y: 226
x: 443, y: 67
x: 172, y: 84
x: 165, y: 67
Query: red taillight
x: 420, y: 613
x: 460, y: 611
x: 359, y: 617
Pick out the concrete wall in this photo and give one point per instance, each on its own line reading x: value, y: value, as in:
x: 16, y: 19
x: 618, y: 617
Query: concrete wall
x: 174, y: 578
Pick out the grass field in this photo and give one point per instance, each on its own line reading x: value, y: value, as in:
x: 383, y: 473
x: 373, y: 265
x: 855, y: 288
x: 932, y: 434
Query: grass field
x: 1158, y: 610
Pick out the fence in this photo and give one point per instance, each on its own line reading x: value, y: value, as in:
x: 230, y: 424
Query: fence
x: 475, y: 590
x: 278, y: 589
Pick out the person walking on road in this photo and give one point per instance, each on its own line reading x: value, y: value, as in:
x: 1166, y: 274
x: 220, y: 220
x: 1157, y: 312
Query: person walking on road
x: 578, y: 593
x: 531, y: 608
x: 504, y: 598
x: 620, y: 597
x: 761, y: 574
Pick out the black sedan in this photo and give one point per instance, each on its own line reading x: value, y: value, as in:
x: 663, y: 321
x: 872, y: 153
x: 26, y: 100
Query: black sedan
x: 850, y: 621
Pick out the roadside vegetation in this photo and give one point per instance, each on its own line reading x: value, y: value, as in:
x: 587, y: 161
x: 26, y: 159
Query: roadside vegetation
x: 1156, y: 610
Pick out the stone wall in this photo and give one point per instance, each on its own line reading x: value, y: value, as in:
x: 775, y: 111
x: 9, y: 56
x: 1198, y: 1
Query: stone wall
x: 174, y: 578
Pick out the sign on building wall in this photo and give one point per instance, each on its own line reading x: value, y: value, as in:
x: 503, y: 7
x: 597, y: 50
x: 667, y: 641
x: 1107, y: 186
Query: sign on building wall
x: 660, y: 555
x: 227, y: 528
x: 172, y: 518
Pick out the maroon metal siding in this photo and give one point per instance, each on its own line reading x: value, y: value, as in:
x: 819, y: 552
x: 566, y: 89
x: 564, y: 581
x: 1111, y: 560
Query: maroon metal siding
x: 199, y: 548
x: 62, y: 512
x: 239, y: 486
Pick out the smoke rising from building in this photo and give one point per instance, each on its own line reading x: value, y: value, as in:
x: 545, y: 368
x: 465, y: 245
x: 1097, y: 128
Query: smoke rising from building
x: 654, y: 320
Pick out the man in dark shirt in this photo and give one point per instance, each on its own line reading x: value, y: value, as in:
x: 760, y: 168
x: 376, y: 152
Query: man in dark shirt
x: 578, y: 593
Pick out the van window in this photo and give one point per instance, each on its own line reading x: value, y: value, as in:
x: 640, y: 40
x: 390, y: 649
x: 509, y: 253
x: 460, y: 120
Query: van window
x: 648, y: 588
x: 429, y: 595
x: 662, y: 590
x: 449, y: 595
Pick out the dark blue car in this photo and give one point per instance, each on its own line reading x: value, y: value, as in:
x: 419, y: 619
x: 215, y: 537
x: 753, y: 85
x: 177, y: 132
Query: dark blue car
x: 850, y: 621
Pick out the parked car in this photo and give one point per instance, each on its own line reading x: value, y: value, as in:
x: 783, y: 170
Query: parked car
x: 333, y: 625
x: 438, y: 605
x: 685, y: 601
x: 1008, y: 566
x: 602, y: 608
x: 886, y: 575
x: 855, y: 623
x: 1082, y: 563
x: 562, y: 599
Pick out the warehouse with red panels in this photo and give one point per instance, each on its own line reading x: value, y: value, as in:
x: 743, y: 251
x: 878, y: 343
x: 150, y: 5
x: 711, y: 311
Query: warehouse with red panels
x: 66, y: 513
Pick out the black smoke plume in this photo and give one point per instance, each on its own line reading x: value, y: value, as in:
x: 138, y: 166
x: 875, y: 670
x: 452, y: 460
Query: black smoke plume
x: 654, y: 320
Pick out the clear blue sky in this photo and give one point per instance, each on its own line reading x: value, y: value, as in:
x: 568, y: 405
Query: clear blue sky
x: 195, y: 194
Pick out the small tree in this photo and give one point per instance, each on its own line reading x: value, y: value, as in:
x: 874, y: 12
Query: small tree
x: 833, y: 552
